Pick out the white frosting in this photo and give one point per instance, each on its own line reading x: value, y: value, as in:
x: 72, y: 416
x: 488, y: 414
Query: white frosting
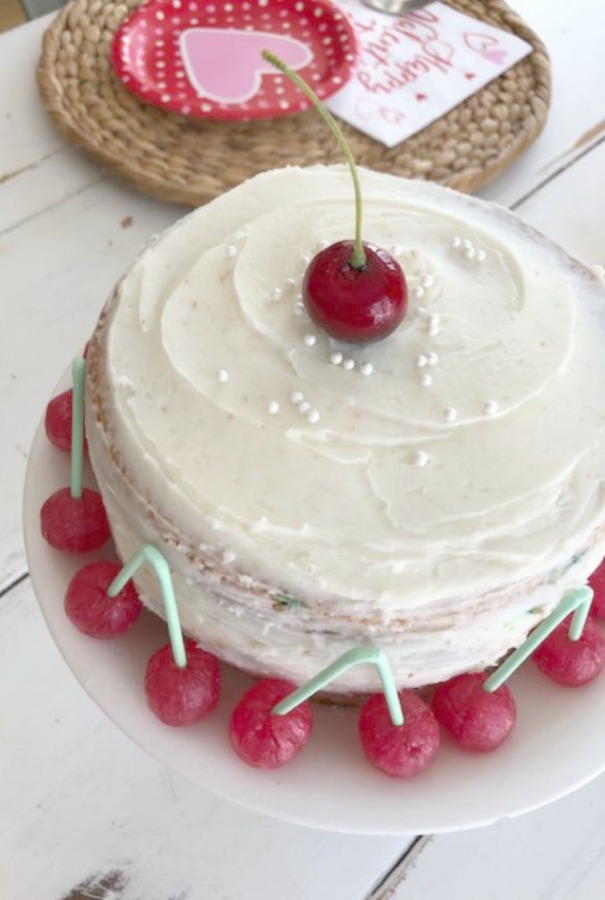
x: 390, y: 486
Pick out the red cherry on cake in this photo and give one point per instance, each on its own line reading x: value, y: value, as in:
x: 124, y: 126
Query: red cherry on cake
x: 184, y: 696
x: 355, y: 291
x: 597, y: 583
x: 399, y: 750
x: 477, y: 719
x: 572, y: 663
x: 92, y: 611
x: 260, y: 737
x: 355, y: 304
x: 75, y: 525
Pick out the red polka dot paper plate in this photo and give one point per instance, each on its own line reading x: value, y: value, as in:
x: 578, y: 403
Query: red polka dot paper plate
x: 202, y: 58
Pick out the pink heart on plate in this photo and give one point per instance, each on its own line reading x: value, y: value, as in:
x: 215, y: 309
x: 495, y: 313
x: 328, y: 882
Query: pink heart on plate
x: 226, y: 65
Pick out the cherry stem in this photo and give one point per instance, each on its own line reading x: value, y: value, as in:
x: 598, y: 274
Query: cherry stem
x: 358, y: 257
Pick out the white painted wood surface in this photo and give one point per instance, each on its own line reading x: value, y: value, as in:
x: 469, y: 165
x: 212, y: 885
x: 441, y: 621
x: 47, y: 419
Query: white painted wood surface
x: 76, y: 798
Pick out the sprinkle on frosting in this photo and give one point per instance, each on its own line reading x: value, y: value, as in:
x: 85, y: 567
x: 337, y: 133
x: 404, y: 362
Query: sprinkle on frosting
x: 450, y: 414
x: 313, y: 417
x: 426, y: 380
x: 231, y: 250
x: 490, y: 407
x: 276, y: 293
x: 366, y: 368
x: 348, y: 364
x: 421, y: 458
x: 421, y: 361
x: 222, y: 375
x: 273, y: 407
x: 336, y: 358
x: 297, y: 397
x: 310, y: 340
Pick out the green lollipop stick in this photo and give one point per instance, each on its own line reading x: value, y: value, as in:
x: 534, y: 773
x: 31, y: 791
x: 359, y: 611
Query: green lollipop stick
x: 78, y: 376
x: 152, y: 555
x: 577, y: 601
x: 355, y: 657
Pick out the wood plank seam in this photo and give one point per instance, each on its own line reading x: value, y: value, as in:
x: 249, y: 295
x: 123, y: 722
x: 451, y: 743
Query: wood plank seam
x: 51, y: 206
x: 13, y: 584
x: 554, y: 175
x: 391, y: 880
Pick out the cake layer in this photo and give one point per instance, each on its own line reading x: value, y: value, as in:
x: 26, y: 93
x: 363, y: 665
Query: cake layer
x: 433, y: 493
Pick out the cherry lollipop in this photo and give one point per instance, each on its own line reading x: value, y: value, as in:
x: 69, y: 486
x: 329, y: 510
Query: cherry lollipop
x: 399, y: 750
x: 73, y: 519
x: 597, y: 583
x: 89, y: 607
x: 263, y: 738
x: 182, y: 695
x: 355, y: 291
x: 572, y: 662
x: 477, y: 719
x: 57, y: 422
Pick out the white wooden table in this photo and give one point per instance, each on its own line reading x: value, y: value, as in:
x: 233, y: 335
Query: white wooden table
x: 84, y: 814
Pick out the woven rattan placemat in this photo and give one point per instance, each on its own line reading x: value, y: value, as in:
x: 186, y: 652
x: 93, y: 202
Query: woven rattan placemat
x: 190, y: 161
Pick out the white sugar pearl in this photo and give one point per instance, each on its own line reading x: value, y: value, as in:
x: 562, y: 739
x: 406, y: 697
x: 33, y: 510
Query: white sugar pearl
x: 304, y: 407
x: 456, y: 242
x: 432, y: 359
x: 426, y: 380
x: 299, y: 310
x: 336, y: 358
x: 469, y: 253
x: 434, y: 320
x: 427, y: 281
x: 480, y: 256
x: 366, y: 368
x: 273, y: 407
x: 467, y: 245
x: 290, y: 282
x: 310, y: 340
x: 450, y: 414
x: 490, y: 407
x: 313, y: 417
x: 297, y: 397
x: 305, y: 259
x: 348, y: 364
x: 421, y: 458
x: 421, y: 361
x: 276, y: 294
x: 419, y: 292
x: 223, y: 375
x: 422, y: 312
x: 228, y: 557
x: 230, y: 250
